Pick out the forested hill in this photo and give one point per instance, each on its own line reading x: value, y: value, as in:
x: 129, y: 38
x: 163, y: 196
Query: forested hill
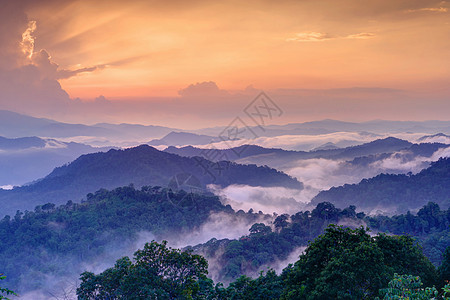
x: 57, y: 241
x: 61, y: 241
x: 270, y: 244
x: 399, y: 193
x: 142, y: 165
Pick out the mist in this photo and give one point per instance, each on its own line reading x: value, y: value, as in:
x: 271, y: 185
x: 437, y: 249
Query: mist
x: 220, y: 226
x: 63, y: 281
x: 302, y: 142
x: 317, y: 175
x: 266, y: 199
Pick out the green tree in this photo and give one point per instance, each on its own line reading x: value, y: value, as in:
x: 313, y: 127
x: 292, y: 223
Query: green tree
x: 266, y: 286
x: 259, y: 229
x: 350, y: 264
x: 158, y: 272
x: 281, y: 222
x: 5, y: 290
x: 407, y: 287
x: 444, y: 268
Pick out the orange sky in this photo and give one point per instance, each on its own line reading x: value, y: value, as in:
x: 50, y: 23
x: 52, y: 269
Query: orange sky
x: 155, y: 48
x: 198, y: 63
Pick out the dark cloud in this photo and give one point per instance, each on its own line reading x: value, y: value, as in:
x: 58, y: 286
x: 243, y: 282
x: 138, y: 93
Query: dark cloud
x: 28, y: 76
x: 14, y: 23
x: 202, y: 89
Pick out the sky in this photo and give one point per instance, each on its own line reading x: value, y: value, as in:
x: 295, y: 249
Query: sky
x: 191, y: 64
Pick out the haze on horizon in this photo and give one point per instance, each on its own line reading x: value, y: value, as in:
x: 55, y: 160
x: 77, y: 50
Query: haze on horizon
x: 193, y: 64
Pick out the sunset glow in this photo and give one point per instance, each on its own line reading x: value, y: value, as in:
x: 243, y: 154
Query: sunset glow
x: 153, y: 49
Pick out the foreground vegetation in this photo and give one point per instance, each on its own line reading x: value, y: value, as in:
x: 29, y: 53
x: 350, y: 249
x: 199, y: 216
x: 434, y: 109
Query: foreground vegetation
x: 57, y: 240
x: 264, y: 245
x: 342, y: 263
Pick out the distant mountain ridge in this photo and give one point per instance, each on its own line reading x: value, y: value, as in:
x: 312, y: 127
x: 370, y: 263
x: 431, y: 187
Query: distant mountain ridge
x: 395, y: 193
x: 23, y: 160
x: 433, y: 136
x: 175, y: 138
x: 21, y: 143
x: 14, y: 125
x: 386, y: 145
x: 330, y: 126
x: 19, y: 125
x: 142, y: 165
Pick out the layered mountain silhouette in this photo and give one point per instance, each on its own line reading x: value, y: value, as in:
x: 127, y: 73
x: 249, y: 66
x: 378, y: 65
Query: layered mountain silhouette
x: 394, y: 193
x: 257, y: 154
x: 183, y: 138
x: 18, y: 125
x: 142, y: 165
x: 21, y: 143
x: 23, y: 160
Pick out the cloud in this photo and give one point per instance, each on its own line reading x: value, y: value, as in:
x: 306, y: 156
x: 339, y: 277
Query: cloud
x: 27, y: 43
x: 220, y: 226
x: 320, y: 36
x: 443, y: 152
x: 301, y: 142
x: 322, y: 174
x: 28, y: 76
x: 310, y: 37
x: 265, y: 199
x: 14, y: 24
x: 402, y: 162
x: 428, y: 9
x: 65, y: 74
x: 361, y: 35
x: 202, y: 89
x: 279, y: 265
x: 7, y: 187
x: 443, y: 139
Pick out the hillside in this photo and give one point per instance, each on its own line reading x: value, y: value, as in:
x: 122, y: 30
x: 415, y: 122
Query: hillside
x: 398, y: 193
x: 268, y: 244
x: 142, y: 165
x: 61, y: 241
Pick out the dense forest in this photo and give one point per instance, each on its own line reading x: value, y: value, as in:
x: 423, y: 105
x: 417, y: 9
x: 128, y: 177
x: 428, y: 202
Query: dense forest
x: 51, y: 239
x: 409, y: 191
x: 57, y: 239
x: 267, y: 244
x: 340, y: 264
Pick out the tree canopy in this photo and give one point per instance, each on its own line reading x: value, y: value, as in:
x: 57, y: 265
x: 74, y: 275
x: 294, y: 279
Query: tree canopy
x: 157, y: 272
x: 346, y: 263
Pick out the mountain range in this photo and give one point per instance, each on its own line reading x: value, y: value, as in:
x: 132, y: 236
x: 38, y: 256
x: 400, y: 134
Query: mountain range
x: 394, y: 193
x: 260, y: 155
x: 141, y: 166
x: 14, y: 125
x: 23, y: 160
x: 183, y: 138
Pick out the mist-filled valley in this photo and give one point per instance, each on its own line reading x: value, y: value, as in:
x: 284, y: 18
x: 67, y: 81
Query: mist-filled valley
x: 245, y: 209
x: 224, y: 150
